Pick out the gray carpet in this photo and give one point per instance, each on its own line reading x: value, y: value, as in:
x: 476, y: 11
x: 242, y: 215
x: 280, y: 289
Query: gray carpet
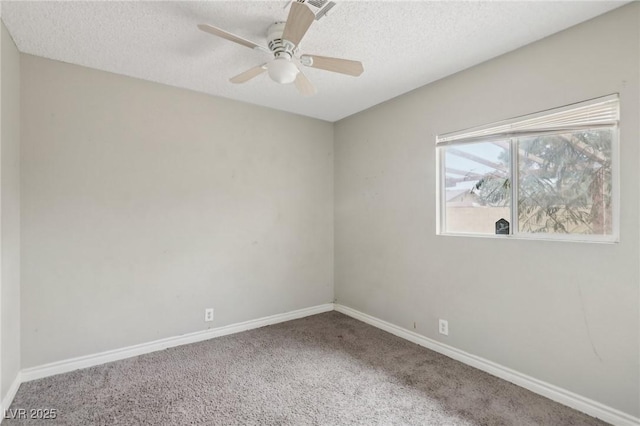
x: 327, y: 369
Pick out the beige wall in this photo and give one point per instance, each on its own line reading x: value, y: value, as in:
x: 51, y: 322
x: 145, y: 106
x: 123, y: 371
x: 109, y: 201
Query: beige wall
x: 565, y: 313
x: 145, y: 204
x: 9, y: 213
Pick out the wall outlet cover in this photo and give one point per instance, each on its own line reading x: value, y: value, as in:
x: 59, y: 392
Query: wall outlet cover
x: 443, y: 327
x: 208, y: 314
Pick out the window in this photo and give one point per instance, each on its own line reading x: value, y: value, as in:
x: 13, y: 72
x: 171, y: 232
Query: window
x: 550, y: 175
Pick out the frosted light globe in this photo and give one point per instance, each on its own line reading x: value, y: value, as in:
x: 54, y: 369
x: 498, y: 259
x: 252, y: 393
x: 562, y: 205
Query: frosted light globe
x: 282, y: 70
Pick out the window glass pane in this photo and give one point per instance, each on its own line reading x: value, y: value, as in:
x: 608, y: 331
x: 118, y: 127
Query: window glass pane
x: 477, y: 190
x: 565, y: 183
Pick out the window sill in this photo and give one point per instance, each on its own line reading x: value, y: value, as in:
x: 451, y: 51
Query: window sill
x: 540, y: 237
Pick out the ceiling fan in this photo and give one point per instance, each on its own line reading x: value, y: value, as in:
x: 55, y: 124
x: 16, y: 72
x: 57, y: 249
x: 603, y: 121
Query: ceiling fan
x: 284, y: 39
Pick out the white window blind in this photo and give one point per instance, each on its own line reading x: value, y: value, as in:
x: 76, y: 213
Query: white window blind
x: 600, y: 112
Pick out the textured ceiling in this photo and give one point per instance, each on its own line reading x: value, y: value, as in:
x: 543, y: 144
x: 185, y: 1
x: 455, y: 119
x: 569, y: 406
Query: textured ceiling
x: 402, y: 44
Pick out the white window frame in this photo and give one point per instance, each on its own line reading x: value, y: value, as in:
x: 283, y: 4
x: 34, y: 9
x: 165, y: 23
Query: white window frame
x: 591, y: 116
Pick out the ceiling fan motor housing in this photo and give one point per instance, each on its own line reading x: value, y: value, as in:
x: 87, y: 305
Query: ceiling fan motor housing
x: 281, y: 69
x: 277, y: 45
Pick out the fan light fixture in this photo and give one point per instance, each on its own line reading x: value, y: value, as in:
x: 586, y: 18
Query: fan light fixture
x: 282, y: 70
x: 284, y: 41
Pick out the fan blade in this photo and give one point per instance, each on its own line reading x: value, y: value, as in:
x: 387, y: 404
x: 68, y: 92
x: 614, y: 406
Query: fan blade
x: 299, y: 20
x: 231, y: 37
x: 304, y: 86
x: 343, y: 66
x: 249, y: 74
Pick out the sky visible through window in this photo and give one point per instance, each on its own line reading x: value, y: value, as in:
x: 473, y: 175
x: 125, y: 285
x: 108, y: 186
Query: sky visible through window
x: 486, y: 150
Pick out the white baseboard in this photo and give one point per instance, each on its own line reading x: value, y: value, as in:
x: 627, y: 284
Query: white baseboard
x: 65, y: 366
x: 580, y: 403
x: 8, y: 399
x: 555, y: 393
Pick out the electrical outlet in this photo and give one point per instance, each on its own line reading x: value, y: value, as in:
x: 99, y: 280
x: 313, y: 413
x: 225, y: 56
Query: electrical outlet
x: 444, y: 327
x: 208, y: 314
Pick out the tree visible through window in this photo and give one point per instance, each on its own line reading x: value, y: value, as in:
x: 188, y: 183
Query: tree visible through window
x: 563, y: 175
x: 565, y: 183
